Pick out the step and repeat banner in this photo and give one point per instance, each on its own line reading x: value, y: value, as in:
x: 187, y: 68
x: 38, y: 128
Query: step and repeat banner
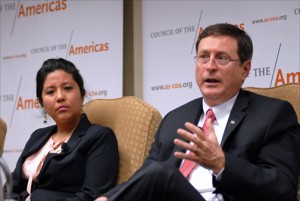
x: 88, y: 33
x: 170, y: 30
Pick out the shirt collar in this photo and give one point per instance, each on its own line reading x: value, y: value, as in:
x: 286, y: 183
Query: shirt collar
x: 222, y: 110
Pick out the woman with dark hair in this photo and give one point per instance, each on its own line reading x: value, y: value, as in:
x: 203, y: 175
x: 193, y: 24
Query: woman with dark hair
x: 73, y: 159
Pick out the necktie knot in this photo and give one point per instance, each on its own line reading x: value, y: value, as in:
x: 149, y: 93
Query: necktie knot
x: 210, y: 115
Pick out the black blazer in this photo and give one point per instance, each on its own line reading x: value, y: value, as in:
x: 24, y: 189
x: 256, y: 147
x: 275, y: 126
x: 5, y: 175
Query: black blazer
x: 87, y: 167
x: 261, y: 144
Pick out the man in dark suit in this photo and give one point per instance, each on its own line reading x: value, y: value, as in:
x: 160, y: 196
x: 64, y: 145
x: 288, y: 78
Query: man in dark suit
x: 249, y: 149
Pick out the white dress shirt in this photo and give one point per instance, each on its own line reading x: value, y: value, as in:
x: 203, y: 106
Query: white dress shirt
x: 200, y: 177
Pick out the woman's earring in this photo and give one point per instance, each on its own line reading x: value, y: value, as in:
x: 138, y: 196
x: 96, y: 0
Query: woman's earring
x: 45, y: 117
x: 82, y: 113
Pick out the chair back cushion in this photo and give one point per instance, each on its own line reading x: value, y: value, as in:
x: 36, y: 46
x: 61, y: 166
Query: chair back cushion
x: 3, y: 129
x: 288, y: 92
x: 134, y: 123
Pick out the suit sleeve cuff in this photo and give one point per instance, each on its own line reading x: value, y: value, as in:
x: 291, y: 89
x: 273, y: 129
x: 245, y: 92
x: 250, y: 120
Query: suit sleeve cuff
x: 219, y: 175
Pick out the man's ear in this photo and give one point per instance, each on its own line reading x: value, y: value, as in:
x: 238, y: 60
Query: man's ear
x: 246, y: 67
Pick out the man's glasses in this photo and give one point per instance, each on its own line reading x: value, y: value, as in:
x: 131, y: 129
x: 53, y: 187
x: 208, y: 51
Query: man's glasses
x: 221, y: 60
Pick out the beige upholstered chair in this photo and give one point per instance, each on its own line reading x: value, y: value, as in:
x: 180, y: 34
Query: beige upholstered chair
x: 289, y: 92
x: 134, y: 123
x: 3, y: 129
x: 4, y: 169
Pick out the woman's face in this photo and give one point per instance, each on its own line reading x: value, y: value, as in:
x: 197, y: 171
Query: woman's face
x: 61, y: 97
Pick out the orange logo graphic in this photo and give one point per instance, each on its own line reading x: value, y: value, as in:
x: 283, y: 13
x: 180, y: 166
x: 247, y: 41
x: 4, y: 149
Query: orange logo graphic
x: 241, y: 26
x: 86, y: 49
x: 38, y: 9
x: 290, y: 78
x: 27, y: 104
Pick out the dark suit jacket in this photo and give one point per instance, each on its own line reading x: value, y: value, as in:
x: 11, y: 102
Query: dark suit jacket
x: 87, y: 167
x: 261, y: 145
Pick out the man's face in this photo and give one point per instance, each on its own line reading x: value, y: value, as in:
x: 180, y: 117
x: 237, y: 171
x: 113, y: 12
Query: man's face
x: 218, y: 82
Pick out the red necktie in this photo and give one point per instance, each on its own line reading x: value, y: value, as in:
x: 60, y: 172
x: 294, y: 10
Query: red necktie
x: 187, y: 166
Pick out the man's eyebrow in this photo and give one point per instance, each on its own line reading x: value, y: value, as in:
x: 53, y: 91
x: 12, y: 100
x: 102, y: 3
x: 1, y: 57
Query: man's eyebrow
x: 217, y: 52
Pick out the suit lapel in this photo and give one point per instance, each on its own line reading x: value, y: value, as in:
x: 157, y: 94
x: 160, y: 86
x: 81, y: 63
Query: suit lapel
x: 192, y: 114
x: 236, y: 116
x: 76, y: 136
x: 39, y: 141
x: 74, y: 139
